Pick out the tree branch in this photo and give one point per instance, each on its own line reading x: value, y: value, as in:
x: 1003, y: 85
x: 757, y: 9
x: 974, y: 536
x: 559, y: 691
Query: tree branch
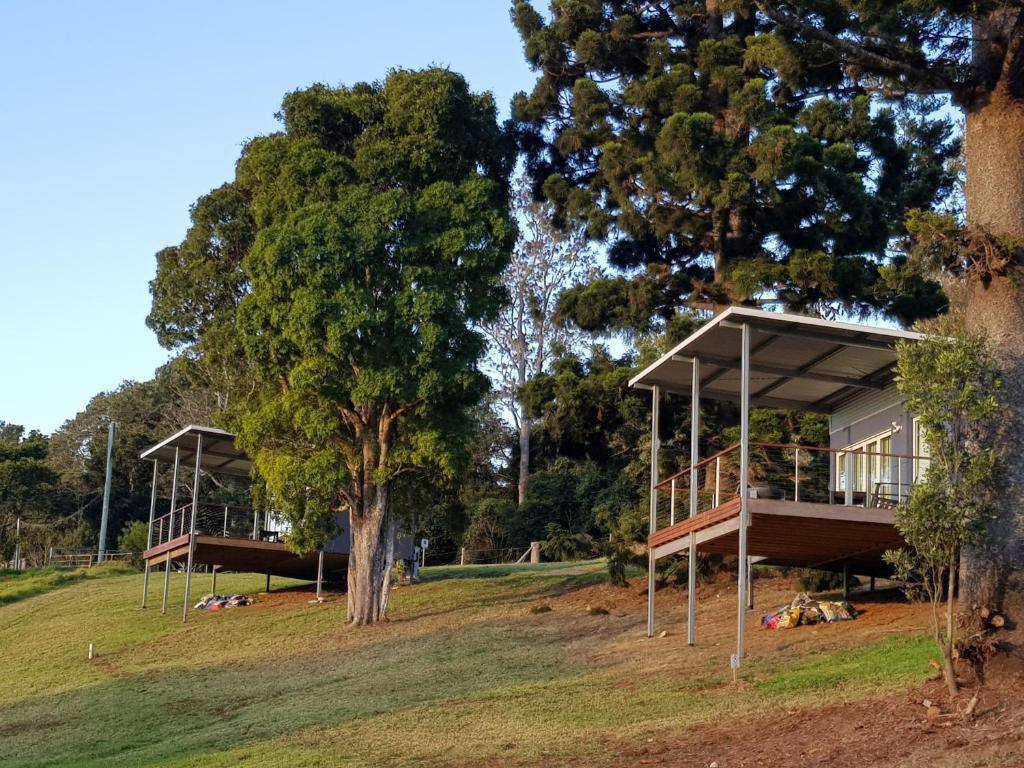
x: 921, y: 78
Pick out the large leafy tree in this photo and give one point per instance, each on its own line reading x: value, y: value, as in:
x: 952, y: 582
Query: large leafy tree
x: 712, y: 139
x: 367, y: 240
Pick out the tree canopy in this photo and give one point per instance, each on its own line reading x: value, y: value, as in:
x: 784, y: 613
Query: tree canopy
x: 722, y: 162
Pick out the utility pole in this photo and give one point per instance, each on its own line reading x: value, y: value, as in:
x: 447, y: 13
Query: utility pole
x: 17, y: 544
x: 100, y: 556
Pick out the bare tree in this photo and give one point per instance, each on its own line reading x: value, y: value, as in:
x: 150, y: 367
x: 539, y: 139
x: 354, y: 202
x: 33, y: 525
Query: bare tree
x: 526, y: 337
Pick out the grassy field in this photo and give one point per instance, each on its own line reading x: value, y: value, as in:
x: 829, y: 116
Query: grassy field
x: 466, y: 673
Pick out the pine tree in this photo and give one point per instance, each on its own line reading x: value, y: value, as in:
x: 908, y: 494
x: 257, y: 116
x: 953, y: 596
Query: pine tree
x: 775, y: 146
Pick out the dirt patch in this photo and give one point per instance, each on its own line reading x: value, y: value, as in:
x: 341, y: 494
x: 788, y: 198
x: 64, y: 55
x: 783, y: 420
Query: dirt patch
x: 893, y: 731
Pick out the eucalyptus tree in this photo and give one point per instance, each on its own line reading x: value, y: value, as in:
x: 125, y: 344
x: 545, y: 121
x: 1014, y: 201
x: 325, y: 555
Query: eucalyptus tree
x: 372, y: 232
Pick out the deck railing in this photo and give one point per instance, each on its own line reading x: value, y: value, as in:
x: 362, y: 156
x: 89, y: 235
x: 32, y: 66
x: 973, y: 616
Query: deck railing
x: 227, y: 520
x: 790, y: 472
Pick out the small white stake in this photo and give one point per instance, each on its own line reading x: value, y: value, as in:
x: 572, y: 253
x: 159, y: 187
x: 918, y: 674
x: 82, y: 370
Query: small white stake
x: 90, y: 651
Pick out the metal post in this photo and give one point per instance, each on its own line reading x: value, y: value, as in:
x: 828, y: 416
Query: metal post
x: 848, y: 471
x: 718, y: 481
x: 170, y: 527
x: 691, y: 580
x: 744, y: 492
x: 268, y: 581
x: 17, y: 544
x: 225, y: 533
x: 750, y: 583
x: 320, y: 575
x: 462, y: 556
x: 160, y: 533
x: 167, y: 582
x: 672, y: 503
x: 796, y: 475
x: 192, y: 525
x: 846, y: 581
x: 149, y: 535
x: 255, y: 525
x: 213, y: 584
x: 655, y: 398
x: 899, y: 480
x: 107, y: 481
x: 869, y: 479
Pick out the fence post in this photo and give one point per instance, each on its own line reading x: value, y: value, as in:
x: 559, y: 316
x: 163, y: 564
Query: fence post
x: 534, y: 551
x: 672, y: 503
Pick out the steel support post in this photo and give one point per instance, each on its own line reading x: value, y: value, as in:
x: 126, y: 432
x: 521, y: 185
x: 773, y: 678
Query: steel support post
x: 744, y: 487
x: 149, y: 534
x: 691, y: 581
x: 192, y: 526
x: 655, y: 403
x: 320, y: 575
x: 170, y: 527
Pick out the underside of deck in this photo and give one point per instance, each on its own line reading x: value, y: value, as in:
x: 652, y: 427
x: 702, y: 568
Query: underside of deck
x: 788, y: 533
x: 247, y: 556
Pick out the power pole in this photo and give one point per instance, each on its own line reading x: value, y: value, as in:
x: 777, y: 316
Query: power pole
x: 100, y: 556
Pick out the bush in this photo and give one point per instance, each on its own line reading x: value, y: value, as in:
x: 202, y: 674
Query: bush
x: 562, y: 545
x: 825, y: 581
x: 133, y: 539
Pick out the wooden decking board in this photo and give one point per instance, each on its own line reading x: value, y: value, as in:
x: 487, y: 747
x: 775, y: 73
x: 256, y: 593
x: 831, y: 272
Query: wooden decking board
x: 804, y: 534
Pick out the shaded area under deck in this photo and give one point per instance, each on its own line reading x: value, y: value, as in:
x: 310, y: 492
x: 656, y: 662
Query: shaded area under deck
x: 231, y: 554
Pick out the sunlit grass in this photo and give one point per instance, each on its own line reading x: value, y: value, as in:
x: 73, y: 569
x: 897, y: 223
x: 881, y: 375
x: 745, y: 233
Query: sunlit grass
x: 463, y: 674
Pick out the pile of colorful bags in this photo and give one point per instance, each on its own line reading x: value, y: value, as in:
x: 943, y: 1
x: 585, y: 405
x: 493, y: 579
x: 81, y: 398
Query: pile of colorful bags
x: 804, y: 610
x: 219, y: 602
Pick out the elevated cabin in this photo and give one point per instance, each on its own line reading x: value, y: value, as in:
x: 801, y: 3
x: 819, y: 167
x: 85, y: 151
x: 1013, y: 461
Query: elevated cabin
x: 224, y: 536
x: 830, y: 508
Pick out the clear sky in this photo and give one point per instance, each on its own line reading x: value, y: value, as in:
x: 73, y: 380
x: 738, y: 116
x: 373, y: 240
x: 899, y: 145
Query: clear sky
x: 118, y: 115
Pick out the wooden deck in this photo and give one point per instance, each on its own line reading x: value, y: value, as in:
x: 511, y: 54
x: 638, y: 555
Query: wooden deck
x: 246, y: 555
x: 789, y: 533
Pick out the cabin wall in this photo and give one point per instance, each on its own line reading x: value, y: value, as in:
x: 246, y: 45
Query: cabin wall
x: 872, y: 413
x: 342, y: 543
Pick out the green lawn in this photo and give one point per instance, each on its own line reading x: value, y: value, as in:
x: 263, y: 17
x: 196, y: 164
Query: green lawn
x: 463, y: 673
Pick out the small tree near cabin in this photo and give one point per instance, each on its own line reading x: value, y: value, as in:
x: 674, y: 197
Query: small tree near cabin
x: 382, y: 230
x: 950, y: 381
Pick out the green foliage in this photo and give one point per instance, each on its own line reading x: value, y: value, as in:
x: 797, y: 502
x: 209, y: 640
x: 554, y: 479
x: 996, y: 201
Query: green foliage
x: 560, y: 544
x: 825, y: 581
x: 725, y: 159
x: 133, y: 538
x: 950, y: 380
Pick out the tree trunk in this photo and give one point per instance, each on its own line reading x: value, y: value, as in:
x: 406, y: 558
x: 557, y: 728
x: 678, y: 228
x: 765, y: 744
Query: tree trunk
x: 524, y: 452
x: 995, y: 309
x: 369, y: 569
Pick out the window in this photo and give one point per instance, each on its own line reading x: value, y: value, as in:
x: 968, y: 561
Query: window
x: 922, y: 452
x: 874, y: 467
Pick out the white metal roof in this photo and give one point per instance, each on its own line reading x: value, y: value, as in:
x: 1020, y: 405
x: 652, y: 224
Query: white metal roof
x: 220, y: 455
x: 799, y: 362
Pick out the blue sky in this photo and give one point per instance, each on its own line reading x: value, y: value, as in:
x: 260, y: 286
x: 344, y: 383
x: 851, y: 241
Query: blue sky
x: 118, y: 115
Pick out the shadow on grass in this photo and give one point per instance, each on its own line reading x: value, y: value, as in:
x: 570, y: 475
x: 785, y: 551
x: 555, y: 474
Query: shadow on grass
x: 22, y: 585
x: 186, y: 714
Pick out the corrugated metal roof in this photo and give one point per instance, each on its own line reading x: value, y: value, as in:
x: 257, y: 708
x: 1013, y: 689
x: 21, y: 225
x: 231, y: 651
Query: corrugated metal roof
x: 796, y: 361
x: 220, y: 455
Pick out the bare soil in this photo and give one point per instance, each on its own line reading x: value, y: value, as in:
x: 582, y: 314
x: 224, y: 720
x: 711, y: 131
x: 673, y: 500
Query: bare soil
x: 889, y: 731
